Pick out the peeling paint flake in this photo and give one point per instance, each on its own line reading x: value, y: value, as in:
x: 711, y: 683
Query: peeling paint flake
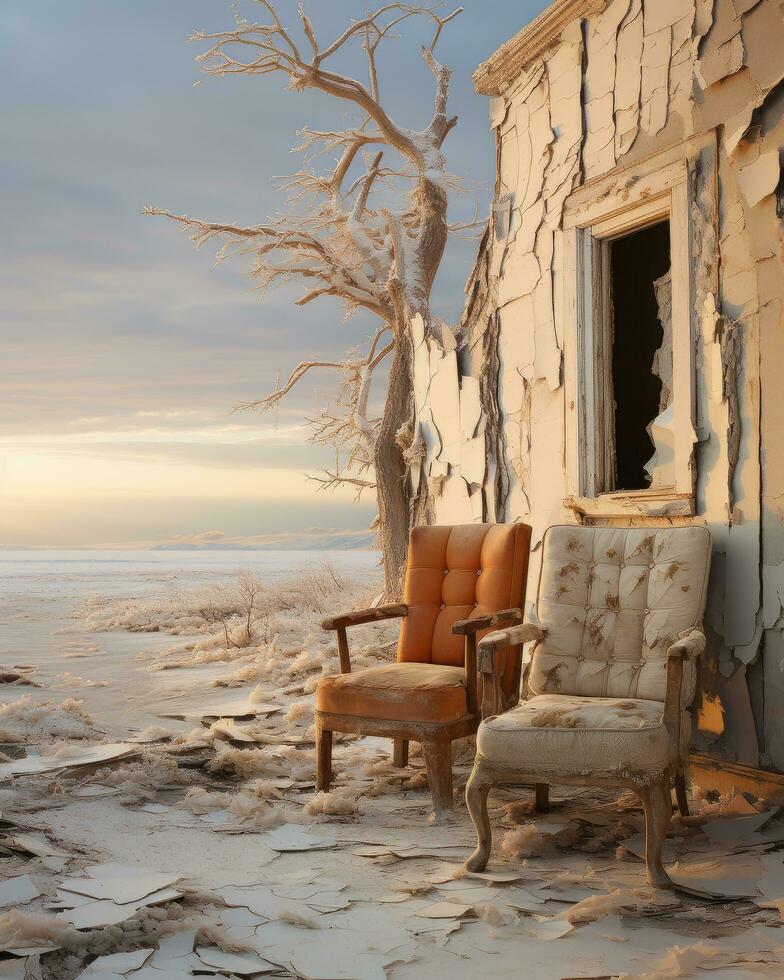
x: 564, y: 73
x: 633, y: 101
x: 628, y: 78
x: 599, y: 102
x: 759, y: 179
x: 662, y: 14
x: 724, y: 61
x: 655, y: 79
x: 763, y: 38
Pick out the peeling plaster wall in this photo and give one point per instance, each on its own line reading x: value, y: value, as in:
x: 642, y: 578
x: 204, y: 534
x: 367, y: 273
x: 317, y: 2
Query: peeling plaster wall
x: 626, y: 83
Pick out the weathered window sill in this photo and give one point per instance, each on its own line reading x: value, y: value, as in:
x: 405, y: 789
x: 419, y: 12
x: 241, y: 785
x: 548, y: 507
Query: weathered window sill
x: 634, y: 503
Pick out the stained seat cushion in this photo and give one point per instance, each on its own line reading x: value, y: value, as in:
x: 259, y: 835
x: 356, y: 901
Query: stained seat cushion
x: 578, y: 736
x: 397, y: 692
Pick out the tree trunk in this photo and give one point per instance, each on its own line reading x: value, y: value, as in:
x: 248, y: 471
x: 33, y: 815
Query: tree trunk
x: 392, y: 489
x: 409, y: 289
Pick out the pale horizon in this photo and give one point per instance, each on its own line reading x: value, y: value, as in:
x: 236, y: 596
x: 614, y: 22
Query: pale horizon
x: 126, y: 350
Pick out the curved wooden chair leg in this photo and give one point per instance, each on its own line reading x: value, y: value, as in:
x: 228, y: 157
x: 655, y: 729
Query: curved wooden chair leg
x: 400, y: 752
x: 477, y: 788
x: 323, y: 759
x: 438, y: 761
x: 542, y: 801
x: 657, y: 802
x: 680, y: 794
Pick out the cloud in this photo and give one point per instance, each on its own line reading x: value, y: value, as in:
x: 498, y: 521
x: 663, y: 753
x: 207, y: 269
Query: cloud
x: 139, y: 521
x: 204, y: 537
x: 108, y: 315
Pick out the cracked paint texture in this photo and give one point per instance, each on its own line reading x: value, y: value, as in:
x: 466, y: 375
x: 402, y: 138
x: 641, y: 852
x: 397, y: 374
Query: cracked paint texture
x: 697, y: 80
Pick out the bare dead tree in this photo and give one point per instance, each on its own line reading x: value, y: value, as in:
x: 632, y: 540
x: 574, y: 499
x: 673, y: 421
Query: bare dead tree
x: 343, y: 238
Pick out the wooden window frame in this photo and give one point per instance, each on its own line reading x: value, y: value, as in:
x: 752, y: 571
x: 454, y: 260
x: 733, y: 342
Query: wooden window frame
x: 595, y: 216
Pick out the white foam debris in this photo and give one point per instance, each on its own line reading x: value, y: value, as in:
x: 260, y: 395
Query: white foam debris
x: 341, y: 802
x: 526, y: 841
x: 250, y: 763
x: 247, y: 766
x: 142, y: 781
x: 299, y: 712
x: 24, y: 933
x: 596, y: 906
x: 29, y: 720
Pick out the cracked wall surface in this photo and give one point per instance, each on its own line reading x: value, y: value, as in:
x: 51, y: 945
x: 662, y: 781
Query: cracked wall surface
x: 617, y: 84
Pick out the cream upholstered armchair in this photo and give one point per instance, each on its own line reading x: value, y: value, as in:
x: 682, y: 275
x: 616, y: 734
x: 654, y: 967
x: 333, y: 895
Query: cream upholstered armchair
x: 612, y: 674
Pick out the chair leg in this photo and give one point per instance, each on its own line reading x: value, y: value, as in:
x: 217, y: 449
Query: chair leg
x: 323, y: 759
x: 542, y: 802
x: 657, y: 802
x: 400, y: 752
x: 438, y: 760
x: 476, y: 798
x: 680, y: 794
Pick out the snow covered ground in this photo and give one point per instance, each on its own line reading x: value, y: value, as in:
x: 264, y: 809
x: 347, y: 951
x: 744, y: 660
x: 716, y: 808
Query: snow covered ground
x: 158, y: 817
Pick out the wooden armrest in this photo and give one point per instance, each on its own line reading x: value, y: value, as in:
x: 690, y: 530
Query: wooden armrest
x: 684, y: 648
x: 688, y: 647
x: 340, y: 623
x: 501, y: 617
x: 389, y: 611
x: 469, y: 628
x: 510, y: 637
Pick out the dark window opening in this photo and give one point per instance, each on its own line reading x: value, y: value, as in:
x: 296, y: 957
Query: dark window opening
x: 637, y: 260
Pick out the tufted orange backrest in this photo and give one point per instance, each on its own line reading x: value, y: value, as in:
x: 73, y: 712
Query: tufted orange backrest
x: 455, y: 573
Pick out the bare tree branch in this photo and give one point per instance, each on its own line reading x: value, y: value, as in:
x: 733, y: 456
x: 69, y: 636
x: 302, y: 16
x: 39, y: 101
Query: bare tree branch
x: 297, y: 374
x: 307, y: 255
x: 371, y: 236
x: 273, y: 50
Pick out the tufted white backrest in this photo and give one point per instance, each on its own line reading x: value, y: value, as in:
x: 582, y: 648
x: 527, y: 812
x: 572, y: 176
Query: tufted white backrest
x: 613, y: 600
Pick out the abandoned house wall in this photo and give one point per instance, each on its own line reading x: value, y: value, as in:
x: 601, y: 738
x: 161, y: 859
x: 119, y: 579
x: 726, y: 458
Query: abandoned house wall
x: 585, y: 104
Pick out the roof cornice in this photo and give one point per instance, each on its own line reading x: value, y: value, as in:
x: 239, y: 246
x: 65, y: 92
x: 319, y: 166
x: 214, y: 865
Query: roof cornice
x: 506, y: 64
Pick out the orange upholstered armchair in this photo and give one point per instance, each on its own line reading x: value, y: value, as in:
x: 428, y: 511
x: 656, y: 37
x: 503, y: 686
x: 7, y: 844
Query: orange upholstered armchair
x: 460, y: 582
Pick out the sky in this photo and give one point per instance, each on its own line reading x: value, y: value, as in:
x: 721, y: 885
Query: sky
x: 124, y: 350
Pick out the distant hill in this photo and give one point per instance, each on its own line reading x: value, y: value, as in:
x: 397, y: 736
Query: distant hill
x: 310, y: 539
